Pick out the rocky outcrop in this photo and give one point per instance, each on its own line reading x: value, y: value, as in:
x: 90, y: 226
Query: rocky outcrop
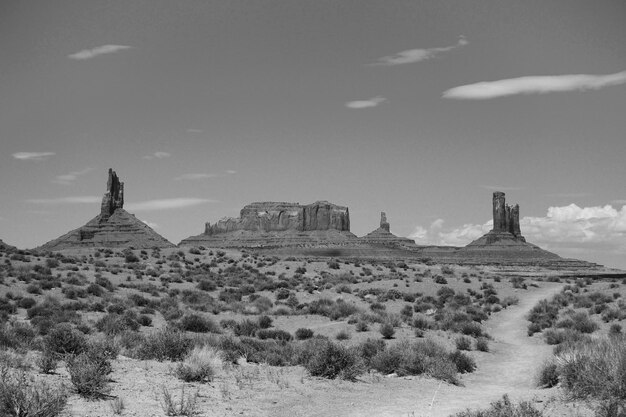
x: 505, y: 217
x: 264, y: 224
x: 275, y: 217
x: 6, y: 247
x: 382, y: 236
x: 113, y: 199
x: 113, y: 227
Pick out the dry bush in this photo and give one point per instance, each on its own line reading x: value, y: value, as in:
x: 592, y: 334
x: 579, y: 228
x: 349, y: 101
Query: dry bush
x: 21, y: 396
x: 504, y: 408
x: 596, y: 370
x: 187, y: 405
x: 201, y: 365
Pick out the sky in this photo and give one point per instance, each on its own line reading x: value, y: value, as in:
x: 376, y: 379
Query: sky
x: 417, y: 108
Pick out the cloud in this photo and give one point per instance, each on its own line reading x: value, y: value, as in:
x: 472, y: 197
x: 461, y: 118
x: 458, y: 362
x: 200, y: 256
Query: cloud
x: 68, y: 179
x: 100, y: 50
x: 167, y: 204
x: 534, y: 85
x: 65, y: 200
x: 362, y: 104
x: 150, y: 224
x: 568, y: 230
x: 33, y: 156
x: 202, y: 176
x: 158, y: 155
x: 416, y: 55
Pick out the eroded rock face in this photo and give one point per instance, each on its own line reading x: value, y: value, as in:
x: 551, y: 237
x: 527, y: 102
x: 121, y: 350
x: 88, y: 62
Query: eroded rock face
x: 383, y: 221
x: 113, y: 227
x: 505, y: 217
x: 277, y: 216
x: 114, y: 196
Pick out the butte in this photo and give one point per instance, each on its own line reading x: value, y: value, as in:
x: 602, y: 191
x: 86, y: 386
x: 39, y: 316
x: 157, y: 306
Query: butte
x: 114, y: 227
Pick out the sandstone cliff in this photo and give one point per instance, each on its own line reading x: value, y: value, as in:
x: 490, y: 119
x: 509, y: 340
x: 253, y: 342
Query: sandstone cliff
x: 382, y: 236
x: 113, y: 227
x: 263, y: 224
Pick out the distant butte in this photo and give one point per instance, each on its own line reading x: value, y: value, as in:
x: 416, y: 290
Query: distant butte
x: 382, y: 236
x: 113, y: 227
x: 278, y: 224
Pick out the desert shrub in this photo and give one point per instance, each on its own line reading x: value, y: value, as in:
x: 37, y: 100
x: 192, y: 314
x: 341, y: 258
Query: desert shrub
x: 303, y: 334
x: 246, y: 328
x: 548, y: 375
x: 482, y: 344
x: 198, y: 324
x: 200, y: 365
x: 463, y: 362
x: 265, y: 322
x: 47, y: 361
x: 26, y: 302
x: 504, y: 408
x: 206, y: 285
x: 114, y: 323
x: 343, y: 335
x: 254, y: 350
x: 187, y: 405
x: 88, y: 376
x: 596, y: 370
x: 275, y: 334
x: 22, y: 396
x: 329, y: 360
x: 463, y: 343
x: 165, y: 344
x: 542, y: 316
x: 63, y: 339
x: 387, y: 330
x: 368, y: 349
x: 144, y: 320
x: 615, y: 329
x: 440, y: 280
x: 415, y: 358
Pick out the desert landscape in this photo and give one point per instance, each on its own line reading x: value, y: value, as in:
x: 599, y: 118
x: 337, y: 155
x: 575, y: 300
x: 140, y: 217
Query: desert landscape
x: 285, y: 312
x: 312, y: 208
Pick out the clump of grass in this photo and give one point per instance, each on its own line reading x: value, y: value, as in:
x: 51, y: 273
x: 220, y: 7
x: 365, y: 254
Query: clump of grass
x: 548, y: 375
x: 463, y: 343
x: 200, y: 365
x: 165, y: 344
x: 21, y: 396
x: 504, y: 408
x: 326, y: 359
x: 186, y: 405
x: 89, y: 375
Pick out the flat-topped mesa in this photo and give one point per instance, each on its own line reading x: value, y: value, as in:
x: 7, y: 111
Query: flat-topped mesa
x: 114, y: 196
x: 280, y: 216
x: 384, y: 224
x: 505, y: 217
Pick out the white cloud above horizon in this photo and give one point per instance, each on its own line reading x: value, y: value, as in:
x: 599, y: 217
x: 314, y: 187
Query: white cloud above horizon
x: 68, y: 179
x: 150, y: 224
x: 203, y: 175
x: 167, y: 204
x: 363, y: 104
x: 534, y: 85
x: 100, y: 50
x: 157, y: 155
x: 88, y: 199
x: 568, y: 230
x: 33, y: 156
x: 416, y: 55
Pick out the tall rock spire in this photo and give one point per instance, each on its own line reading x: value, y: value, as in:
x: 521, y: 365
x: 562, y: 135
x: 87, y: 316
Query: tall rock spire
x: 114, y: 197
x: 499, y: 212
x: 384, y: 224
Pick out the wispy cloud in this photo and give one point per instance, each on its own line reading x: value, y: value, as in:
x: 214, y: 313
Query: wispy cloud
x: 100, y: 50
x: 363, y: 104
x: 150, y: 224
x: 195, y: 177
x: 89, y: 199
x: 158, y: 155
x: 416, y: 55
x: 68, y: 179
x: 167, y: 204
x: 534, y: 85
x: 33, y: 156
x: 203, y: 176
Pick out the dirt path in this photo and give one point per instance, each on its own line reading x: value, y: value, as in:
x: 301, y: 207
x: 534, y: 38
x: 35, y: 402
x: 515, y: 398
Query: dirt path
x: 509, y: 368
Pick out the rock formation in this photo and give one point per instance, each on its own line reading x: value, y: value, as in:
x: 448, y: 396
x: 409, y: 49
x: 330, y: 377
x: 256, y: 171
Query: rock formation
x: 278, y: 224
x: 505, y: 239
x: 382, y: 236
x: 113, y: 227
x: 4, y: 247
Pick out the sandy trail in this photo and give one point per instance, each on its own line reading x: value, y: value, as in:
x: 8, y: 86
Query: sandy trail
x: 509, y: 368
